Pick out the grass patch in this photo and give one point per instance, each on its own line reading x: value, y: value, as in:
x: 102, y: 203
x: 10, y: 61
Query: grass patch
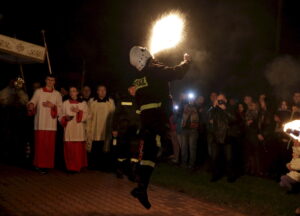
x: 249, y: 195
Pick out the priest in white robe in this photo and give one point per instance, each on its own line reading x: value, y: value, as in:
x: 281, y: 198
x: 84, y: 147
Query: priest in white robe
x: 99, y: 126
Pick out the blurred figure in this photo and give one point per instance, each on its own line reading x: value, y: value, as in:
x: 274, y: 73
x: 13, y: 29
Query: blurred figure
x: 292, y: 178
x: 248, y: 100
x: 13, y: 95
x: 241, y: 109
x: 219, y: 120
x: 262, y: 98
x: 86, y: 93
x: 190, y: 124
x: 46, y: 106
x: 126, y: 124
x: 283, y: 153
x: 177, y: 119
x: 99, y: 128
x: 35, y: 85
x: 296, y: 106
x: 74, y: 113
x: 13, y: 100
x: 232, y: 102
x: 240, y: 148
x: 265, y: 136
x: 212, y: 103
x: 174, y: 138
x: 251, y: 148
x: 213, y: 98
x: 202, y: 137
x: 64, y: 93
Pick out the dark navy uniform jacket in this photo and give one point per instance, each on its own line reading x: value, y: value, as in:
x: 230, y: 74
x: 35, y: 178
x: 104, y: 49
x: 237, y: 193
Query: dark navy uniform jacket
x: 152, y: 83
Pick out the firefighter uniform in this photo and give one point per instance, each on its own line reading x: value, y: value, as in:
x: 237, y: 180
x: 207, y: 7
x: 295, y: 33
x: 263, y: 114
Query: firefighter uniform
x: 152, y: 96
x: 127, y: 123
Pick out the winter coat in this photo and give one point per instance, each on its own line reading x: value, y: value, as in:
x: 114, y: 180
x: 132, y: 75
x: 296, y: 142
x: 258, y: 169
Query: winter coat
x: 190, y: 117
x: 266, y: 125
x: 218, y: 123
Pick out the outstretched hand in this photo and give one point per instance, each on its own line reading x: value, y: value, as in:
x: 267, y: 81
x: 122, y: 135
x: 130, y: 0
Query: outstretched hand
x: 187, y: 57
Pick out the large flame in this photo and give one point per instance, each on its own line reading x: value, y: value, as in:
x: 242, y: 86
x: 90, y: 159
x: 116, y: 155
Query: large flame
x: 167, y: 32
x: 293, y: 129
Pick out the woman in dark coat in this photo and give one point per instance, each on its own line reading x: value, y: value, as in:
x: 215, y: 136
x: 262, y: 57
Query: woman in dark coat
x: 251, y: 140
x: 265, y: 137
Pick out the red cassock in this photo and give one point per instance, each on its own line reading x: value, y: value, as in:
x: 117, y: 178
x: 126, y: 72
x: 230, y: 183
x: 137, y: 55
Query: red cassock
x: 74, y: 136
x: 45, y: 124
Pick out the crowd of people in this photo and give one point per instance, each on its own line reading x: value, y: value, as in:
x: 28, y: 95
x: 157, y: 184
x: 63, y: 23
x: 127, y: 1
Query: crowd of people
x: 234, y: 137
x: 237, y: 136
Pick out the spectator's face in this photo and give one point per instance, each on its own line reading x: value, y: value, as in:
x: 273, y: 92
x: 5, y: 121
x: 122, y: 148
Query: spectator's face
x: 263, y: 104
x: 36, y: 85
x: 73, y: 93
x: 200, y: 100
x: 253, y: 106
x: 241, y: 108
x: 222, y: 97
x: 132, y: 90
x: 232, y: 102
x: 247, y: 100
x: 101, y: 91
x: 213, y: 97
x: 50, y: 82
x: 284, y: 106
x: 86, y: 92
x: 183, y: 97
x: 296, y: 98
x: 262, y: 97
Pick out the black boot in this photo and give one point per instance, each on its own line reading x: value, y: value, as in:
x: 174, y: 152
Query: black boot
x: 143, y: 181
x: 141, y: 194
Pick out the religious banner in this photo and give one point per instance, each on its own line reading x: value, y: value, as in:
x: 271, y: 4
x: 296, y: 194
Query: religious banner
x: 18, y: 51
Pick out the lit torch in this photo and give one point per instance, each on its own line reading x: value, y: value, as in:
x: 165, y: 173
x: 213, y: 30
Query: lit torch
x: 293, y: 129
x: 167, y: 32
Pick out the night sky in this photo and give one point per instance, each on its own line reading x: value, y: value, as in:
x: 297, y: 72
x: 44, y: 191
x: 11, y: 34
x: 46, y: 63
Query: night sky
x: 232, y: 41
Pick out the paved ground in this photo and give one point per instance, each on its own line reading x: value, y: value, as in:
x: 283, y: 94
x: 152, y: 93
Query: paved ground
x: 90, y: 193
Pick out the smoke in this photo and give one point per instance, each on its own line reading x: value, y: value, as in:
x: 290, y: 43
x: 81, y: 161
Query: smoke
x: 283, y: 74
x: 229, y: 45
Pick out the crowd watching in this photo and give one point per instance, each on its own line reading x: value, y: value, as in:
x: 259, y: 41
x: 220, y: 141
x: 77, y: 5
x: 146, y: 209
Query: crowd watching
x: 226, y: 136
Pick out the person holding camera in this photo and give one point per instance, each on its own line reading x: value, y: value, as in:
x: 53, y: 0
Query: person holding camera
x: 219, y: 119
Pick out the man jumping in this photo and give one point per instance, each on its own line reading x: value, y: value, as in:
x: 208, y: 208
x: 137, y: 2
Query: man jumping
x: 152, y: 96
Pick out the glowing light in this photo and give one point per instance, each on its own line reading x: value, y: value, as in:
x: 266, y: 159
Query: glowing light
x: 176, y: 107
x: 293, y: 129
x: 167, y: 32
x: 191, y: 95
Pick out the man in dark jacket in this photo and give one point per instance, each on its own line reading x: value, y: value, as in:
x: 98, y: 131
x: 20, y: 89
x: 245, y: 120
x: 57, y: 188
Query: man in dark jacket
x: 219, y: 119
x: 126, y: 125
x: 152, y: 96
